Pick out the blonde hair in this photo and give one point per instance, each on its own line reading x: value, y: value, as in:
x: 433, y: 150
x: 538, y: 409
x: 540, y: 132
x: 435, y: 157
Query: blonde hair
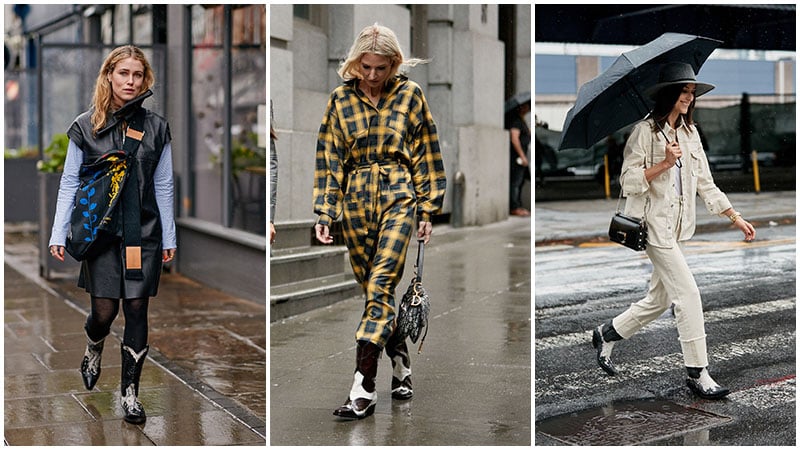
x: 101, y: 100
x: 381, y: 41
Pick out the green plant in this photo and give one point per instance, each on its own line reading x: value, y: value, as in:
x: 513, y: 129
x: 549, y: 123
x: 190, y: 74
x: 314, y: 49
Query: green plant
x: 246, y: 153
x: 55, y: 154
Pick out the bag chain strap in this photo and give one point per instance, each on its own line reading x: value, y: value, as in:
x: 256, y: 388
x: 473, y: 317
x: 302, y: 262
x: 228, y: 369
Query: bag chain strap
x: 647, y: 201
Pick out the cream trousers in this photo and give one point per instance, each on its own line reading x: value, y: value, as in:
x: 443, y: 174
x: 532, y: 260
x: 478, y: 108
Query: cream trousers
x: 671, y: 282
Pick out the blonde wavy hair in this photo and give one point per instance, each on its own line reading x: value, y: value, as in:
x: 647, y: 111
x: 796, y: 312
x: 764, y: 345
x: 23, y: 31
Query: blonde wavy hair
x: 101, y: 100
x: 381, y: 41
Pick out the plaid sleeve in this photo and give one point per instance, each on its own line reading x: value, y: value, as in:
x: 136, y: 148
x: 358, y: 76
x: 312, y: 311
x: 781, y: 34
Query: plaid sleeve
x: 427, y: 167
x: 328, y: 173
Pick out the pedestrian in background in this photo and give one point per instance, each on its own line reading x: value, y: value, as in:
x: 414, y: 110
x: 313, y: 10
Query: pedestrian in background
x: 520, y: 135
x: 124, y: 76
x: 661, y: 179
x: 378, y: 162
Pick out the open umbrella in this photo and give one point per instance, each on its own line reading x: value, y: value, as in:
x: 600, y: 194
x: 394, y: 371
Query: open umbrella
x: 415, y: 306
x: 520, y: 98
x: 616, y: 98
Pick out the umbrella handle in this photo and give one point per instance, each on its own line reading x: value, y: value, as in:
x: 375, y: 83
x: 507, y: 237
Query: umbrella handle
x: 678, y: 161
x: 420, y: 257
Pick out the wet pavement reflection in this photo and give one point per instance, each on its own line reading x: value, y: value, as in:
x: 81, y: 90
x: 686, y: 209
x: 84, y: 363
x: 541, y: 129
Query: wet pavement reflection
x: 472, y: 380
x: 204, y: 382
x: 632, y: 422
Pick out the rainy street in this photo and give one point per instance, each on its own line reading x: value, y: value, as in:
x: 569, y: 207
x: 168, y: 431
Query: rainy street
x: 749, y: 299
x: 472, y: 380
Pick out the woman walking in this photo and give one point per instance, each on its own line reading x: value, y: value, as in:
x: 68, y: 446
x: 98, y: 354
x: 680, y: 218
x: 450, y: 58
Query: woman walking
x: 378, y: 162
x: 123, y: 82
x: 661, y: 179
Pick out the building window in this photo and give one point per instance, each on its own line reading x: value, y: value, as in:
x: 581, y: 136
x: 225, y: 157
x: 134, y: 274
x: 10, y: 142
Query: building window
x: 229, y: 183
x: 302, y: 12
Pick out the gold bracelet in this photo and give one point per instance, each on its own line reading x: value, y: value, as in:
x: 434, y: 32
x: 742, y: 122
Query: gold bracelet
x: 734, y: 217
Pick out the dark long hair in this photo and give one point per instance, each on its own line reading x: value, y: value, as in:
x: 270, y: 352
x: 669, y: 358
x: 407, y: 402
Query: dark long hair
x: 665, y: 101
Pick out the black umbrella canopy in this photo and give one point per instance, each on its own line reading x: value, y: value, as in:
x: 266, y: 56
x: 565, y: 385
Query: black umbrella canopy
x: 520, y: 98
x: 616, y: 98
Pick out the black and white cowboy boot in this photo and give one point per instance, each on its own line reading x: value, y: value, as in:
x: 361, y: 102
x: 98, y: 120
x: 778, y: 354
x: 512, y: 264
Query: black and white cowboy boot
x: 603, y: 340
x: 701, y: 383
x: 363, y: 397
x: 397, y: 351
x: 90, y: 366
x: 129, y: 387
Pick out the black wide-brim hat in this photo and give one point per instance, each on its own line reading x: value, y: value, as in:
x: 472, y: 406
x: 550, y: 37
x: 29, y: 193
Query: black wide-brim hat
x: 677, y: 73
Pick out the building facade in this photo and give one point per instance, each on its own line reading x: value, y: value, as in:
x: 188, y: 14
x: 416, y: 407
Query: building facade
x: 479, y: 56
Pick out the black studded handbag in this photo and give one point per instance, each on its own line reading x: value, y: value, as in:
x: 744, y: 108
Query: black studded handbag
x: 628, y: 231
x: 414, y: 307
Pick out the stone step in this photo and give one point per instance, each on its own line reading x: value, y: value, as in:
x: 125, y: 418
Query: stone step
x: 293, y: 234
x: 294, y: 298
x: 306, y: 263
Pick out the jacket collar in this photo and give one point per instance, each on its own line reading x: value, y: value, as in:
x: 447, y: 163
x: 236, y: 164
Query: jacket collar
x: 126, y: 112
x: 390, y: 87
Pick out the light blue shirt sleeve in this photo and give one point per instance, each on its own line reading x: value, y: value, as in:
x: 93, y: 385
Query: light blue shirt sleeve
x: 165, y: 197
x: 66, y: 195
x: 70, y: 182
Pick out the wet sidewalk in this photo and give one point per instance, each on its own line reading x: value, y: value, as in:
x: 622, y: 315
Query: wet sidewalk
x: 204, y: 382
x: 472, y: 382
x: 588, y: 220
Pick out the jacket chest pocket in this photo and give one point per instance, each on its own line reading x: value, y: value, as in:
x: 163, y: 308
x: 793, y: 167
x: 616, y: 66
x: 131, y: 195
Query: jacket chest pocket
x: 696, y: 157
x: 697, y: 160
x: 658, y: 151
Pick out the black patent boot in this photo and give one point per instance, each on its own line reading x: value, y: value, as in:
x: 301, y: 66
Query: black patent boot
x: 129, y: 387
x: 603, y: 340
x: 90, y: 366
x: 701, y: 383
x: 363, y: 396
x: 397, y: 351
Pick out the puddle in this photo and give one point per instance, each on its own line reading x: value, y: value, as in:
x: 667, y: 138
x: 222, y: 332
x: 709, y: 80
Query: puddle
x: 630, y: 423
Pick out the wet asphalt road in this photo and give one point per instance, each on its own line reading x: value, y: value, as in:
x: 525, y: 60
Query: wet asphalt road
x: 749, y: 297
x: 472, y: 380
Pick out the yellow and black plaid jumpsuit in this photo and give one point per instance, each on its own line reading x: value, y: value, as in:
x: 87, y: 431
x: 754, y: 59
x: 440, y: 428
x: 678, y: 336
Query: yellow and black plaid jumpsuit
x: 381, y: 166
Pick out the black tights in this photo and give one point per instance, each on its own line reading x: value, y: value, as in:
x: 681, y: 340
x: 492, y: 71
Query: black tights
x: 105, y: 310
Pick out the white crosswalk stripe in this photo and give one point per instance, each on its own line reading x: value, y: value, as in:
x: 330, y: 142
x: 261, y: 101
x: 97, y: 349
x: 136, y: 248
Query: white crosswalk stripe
x: 623, y: 286
x: 591, y: 379
x: 719, y: 315
x: 768, y: 395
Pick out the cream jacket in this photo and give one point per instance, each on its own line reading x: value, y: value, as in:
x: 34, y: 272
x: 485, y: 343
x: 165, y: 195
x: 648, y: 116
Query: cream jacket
x: 658, y: 201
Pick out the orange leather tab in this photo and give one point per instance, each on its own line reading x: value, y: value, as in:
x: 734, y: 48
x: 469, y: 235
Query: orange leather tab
x: 134, y: 134
x: 133, y: 257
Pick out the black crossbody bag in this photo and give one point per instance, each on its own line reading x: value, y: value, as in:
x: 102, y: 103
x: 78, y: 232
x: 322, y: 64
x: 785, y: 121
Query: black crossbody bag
x: 626, y: 230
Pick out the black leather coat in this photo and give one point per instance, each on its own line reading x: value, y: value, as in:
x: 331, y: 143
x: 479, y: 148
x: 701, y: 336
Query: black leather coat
x: 103, y: 276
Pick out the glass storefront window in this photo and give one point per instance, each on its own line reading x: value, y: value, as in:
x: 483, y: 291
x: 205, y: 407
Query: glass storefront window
x: 245, y: 177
